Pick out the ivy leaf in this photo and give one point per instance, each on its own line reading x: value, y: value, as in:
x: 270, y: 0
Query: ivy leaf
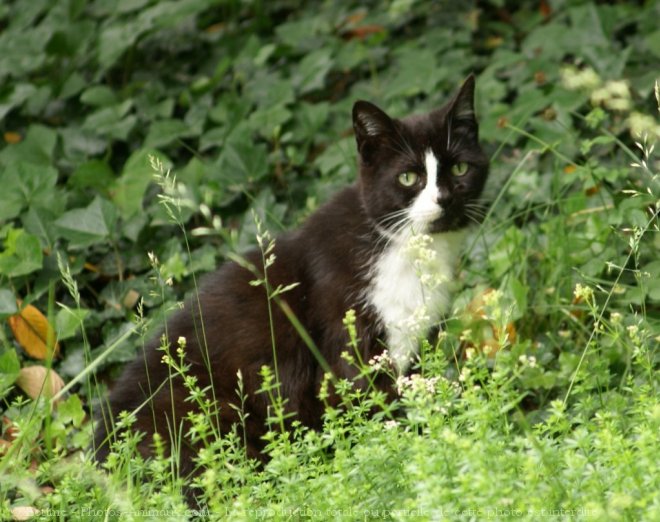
x: 9, y: 369
x: 37, y: 148
x: 242, y: 163
x: 90, y: 225
x: 117, y: 38
x: 128, y: 191
x: 68, y: 321
x: 16, y: 98
x: 99, y: 96
x: 71, y: 411
x: 7, y: 303
x: 310, y: 74
x: 165, y: 132
x: 22, y: 254
x: 94, y: 174
x: 39, y: 222
x: 113, y: 121
x: 24, y: 185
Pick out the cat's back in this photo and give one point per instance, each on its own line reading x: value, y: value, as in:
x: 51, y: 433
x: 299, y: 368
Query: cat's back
x: 336, y: 234
x: 325, y: 255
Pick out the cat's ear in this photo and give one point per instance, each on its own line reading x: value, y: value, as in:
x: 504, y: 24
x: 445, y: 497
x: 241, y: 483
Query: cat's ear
x: 462, y: 105
x: 371, y: 125
x: 460, y: 113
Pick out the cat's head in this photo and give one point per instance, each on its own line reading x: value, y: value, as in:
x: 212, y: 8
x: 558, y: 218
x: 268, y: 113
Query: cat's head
x: 423, y: 172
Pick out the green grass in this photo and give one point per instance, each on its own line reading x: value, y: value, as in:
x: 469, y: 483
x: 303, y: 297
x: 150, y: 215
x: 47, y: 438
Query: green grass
x: 544, y: 404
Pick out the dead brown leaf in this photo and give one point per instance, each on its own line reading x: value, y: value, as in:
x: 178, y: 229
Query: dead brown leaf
x: 31, y: 329
x: 39, y: 380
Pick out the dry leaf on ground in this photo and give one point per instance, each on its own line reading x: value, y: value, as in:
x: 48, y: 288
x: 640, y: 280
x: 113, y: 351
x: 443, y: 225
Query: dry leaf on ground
x: 38, y: 380
x: 31, y: 329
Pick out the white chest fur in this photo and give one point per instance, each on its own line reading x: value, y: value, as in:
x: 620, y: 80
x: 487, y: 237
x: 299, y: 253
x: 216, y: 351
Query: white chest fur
x: 410, y: 289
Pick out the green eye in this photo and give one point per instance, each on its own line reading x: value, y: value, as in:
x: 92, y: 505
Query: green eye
x: 459, y: 169
x: 408, y: 179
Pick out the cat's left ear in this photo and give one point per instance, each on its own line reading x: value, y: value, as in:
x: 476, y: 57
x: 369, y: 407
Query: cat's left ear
x: 372, y: 127
x: 461, y: 108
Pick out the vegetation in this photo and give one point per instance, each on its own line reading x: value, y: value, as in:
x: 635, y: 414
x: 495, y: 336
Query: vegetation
x: 540, y: 398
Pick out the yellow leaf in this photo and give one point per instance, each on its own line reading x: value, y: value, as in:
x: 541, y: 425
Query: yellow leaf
x: 12, y: 137
x: 31, y: 330
x: 38, y: 380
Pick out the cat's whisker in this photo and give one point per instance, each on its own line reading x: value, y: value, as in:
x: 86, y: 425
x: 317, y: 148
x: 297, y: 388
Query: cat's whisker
x: 474, y: 216
x: 396, y: 231
x: 477, y: 208
x: 392, y: 218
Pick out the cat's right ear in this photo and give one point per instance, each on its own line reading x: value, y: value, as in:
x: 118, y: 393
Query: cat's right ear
x: 372, y: 127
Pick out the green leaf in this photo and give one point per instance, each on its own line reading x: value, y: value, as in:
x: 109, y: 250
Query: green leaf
x: 7, y: 303
x: 73, y: 85
x: 22, y: 254
x: 268, y: 122
x: 519, y: 293
x: 114, y: 40
x: 243, y: 163
x: 128, y: 191
x: 117, y: 38
x: 165, y: 132
x: 653, y: 43
x: 94, y: 174
x: 9, y: 369
x: 37, y: 148
x: 39, y: 222
x: 337, y: 159
x: 68, y: 321
x: 90, y: 225
x: 19, y: 94
x: 71, y: 411
x: 126, y: 6
x: 24, y: 185
x: 312, y: 116
x: 99, y: 96
x: 310, y: 74
x: 79, y: 144
x: 404, y: 79
x: 113, y: 121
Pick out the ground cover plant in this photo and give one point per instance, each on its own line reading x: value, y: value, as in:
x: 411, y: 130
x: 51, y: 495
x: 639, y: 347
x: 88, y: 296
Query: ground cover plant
x: 144, y: 142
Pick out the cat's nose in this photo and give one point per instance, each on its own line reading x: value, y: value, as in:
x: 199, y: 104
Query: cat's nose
x: 442, y: 198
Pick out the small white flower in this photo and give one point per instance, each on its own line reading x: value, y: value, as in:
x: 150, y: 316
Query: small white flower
x: 380, y: 361
x: 583, y: 292
x: 391, y: 425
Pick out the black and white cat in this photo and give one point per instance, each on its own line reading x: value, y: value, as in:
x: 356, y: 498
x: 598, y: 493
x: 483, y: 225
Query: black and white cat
x: 385, y: 246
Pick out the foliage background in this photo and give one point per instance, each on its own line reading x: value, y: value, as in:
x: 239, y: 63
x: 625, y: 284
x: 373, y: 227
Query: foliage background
x: 249, y: 103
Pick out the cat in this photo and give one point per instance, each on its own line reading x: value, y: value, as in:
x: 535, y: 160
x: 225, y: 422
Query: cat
x: 420, y: 179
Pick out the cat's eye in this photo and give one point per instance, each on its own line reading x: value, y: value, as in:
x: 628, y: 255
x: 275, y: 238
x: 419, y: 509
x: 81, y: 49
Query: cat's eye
x: 408, y: 179
x: 459, y: 169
